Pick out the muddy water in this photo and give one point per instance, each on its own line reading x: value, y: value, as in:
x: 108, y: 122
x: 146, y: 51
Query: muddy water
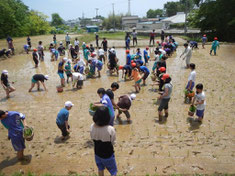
x: 145, y: 146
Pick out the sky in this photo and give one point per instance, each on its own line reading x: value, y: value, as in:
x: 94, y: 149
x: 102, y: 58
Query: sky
x: 72, y: 9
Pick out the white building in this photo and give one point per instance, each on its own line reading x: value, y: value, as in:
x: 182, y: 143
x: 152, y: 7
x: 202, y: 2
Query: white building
x: 149, y: 25
x: 129, y: 22
x: 176, y: 19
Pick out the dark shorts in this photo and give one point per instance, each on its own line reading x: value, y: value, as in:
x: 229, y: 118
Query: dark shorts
x: 69, y: 74
x: 101, y: 57
x: 18, y: 142
x: 200, y: 113
x: 128, y: 116
x: 109, y: 163
x: 164, y: 104
x: 145, y: 76
x: 80, y: 83
x: 63, y: 129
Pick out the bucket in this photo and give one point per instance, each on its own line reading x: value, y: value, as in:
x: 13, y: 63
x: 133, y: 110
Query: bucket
x: 59, y: 89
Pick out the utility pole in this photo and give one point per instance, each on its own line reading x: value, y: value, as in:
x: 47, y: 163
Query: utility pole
x: 186, y: 13
x: 113, y: 17
x: 96, y: 12
x: 129, y: 7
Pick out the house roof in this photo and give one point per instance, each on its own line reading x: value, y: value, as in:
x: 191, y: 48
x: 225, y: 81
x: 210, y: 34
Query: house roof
x: 178, y: 18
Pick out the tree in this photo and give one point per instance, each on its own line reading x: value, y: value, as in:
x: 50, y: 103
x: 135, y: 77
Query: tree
x: 154, y: 13
x: 109, y: 22
x: 56, y: 20
x: 216, y: 17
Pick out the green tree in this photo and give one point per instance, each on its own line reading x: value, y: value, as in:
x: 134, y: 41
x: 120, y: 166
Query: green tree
x: 56, y: 20
x: 108, y: 23
x: 153, y: 13
x: 216, y: 17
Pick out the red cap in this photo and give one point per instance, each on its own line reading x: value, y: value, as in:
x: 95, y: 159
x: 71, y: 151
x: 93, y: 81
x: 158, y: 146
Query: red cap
x: 93, y: 54
x: 133, y: 64
x: 132, y: 61
x: 147, y: 48
x: 121, y: 67
x: 127, y: 51
x: 162, y: 69
x: 165, y: 76
x: 34, y: 49
x: 204, y: 35
x: 157, y: 42
x: 87, y: 46
x: 215, y: 38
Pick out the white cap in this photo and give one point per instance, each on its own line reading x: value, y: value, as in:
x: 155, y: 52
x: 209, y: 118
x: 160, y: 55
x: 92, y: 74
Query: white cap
x: 68, y: 104
x: 83, y: 43
x: 5, y: 72
x: 67, y: 33
x: 70, y: 61
x: 133, y: 96
x: 65, y: 59
x: 47, y: 77
x: 61, y: 42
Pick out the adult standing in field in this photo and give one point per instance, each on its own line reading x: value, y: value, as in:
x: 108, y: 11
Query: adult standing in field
x: 35, y: 57
x: 134, y: 36
x: 10, y: 45
x: 15, y: 123
x: 36, y: 79
x: 104, y: 137
x: 152, y: 37
x: 6, y: 84
x: 62, y: 119
x: 105, y: 45
x: 162, y: 35
x: 187, y: 54
x: 67, y: 39
x: 97, y: 40
x: 29, y: 41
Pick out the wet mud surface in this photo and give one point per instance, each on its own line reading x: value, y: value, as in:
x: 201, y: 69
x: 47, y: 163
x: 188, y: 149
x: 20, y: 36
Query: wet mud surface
x: 145, y: 146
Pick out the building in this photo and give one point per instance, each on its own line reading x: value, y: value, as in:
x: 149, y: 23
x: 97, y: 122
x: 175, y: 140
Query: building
x: 129, y: 22
x: 149, y: 25
x: 73, y: 23
x: 176, y: 19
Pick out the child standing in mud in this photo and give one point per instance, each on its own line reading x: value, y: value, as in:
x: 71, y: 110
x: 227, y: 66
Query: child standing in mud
x: 214, y: 46
x: 40, y: 51
x: 137, y: 78
x: 35, y: 57
x: 62, y: 119
x: 15, y: 123
x: 165, y: 97
x: 191, y: 79
x: 109, y: 92
x: 200, y: 102
x: 6, y: 84
x: 104, y: 137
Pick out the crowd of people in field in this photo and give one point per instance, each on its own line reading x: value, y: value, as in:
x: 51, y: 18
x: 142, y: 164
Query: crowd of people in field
x: 80, y: 61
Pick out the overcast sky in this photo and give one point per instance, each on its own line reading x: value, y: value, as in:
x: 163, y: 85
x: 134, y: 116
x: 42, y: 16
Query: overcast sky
x: 72, y: 9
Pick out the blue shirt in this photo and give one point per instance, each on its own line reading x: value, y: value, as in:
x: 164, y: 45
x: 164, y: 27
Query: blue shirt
x: 105, y: 100
x: 61, y: 64
x: 128, y: 59
x: 145, y: 54
x: 13, y: 123
x: 62, y: 116
x: 144, y: 69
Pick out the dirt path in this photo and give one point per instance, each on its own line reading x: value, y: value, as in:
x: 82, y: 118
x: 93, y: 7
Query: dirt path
x: 143, y: 147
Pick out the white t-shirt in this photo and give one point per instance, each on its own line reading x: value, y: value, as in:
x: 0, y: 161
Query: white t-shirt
x: 76, y: 43
x: 100, y: 52
x: 77, y: 76
x: 199, y: 98
x: 157, y: 57
x: 192, y: 76
x: 162, y: 51
x: 81, y: 62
